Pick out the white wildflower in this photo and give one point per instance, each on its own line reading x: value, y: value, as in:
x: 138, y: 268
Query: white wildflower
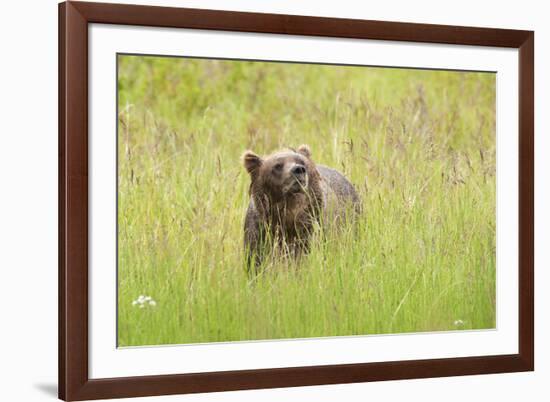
x: 459, y: 323
x: 144, y: 301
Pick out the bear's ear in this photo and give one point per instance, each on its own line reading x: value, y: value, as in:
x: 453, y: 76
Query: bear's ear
x: 251, y: 162
x: 304, y: 150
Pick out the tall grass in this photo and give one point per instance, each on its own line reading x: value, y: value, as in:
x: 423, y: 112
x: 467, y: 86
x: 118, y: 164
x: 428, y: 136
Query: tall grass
x: 419, y: 146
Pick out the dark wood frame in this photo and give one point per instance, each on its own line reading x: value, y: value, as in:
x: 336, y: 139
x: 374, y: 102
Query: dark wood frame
x: 74, y: 383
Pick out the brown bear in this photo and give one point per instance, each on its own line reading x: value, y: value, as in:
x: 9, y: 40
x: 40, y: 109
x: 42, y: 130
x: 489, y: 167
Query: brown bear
x: 289, y: 196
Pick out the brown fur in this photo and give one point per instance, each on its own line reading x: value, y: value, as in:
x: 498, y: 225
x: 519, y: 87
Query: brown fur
x: 288, y: 195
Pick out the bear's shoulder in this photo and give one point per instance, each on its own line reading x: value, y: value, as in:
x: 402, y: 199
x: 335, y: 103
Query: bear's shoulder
x: 337, y: 183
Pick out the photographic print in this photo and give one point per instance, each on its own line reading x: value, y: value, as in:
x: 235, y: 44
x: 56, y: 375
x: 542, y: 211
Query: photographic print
x: 263, y: 200
x: 254, y: 200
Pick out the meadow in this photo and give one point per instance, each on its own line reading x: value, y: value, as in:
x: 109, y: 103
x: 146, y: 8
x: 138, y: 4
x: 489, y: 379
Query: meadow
x: 418, y: 145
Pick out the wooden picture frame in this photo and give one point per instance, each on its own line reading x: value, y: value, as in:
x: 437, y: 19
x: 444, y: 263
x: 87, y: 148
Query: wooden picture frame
x: 74, y: 381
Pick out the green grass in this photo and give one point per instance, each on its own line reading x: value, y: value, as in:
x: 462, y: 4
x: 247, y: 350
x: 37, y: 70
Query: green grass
x: 419, y: 146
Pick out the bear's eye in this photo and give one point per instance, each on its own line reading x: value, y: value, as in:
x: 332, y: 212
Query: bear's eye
x: 278, y: 167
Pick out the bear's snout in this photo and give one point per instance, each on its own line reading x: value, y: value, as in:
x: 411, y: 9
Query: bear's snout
x: 297, y: 179
x: 298, y: 170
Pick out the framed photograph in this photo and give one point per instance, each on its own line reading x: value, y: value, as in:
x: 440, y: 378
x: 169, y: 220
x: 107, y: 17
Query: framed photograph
x: 259, y: 200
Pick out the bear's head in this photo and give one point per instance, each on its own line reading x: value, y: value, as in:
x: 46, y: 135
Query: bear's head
x: 282, y: 175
